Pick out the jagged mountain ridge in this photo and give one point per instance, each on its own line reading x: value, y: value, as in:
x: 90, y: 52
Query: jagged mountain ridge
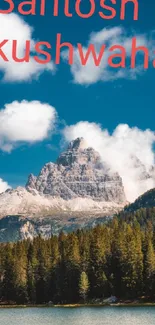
x: 77, y: 191
x: 78, y: 173
x: 78, y: 181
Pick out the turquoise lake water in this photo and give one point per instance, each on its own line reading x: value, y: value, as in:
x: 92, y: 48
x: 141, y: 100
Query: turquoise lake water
x: 79, y: 316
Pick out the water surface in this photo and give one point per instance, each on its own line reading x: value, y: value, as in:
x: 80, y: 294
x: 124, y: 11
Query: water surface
x: 78, y: 316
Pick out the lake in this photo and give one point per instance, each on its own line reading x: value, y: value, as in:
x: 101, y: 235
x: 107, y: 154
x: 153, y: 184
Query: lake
x: 78, y: 316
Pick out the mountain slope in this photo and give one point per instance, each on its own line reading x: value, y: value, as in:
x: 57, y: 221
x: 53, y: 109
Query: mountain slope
x: 147, y: 200
x: 76, y: 191
x: 20, y: 201
x: 78, y: 181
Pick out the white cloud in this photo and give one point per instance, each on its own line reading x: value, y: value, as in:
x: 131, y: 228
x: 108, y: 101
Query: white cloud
x: 25, y: 121
x: 129, y: 151
x: 13, y: 27
x: 3, y: 186
x: 90, y: 73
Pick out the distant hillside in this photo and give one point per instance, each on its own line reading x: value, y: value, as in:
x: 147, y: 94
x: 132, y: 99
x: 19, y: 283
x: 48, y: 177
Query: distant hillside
x: 141, y: 211
x: 147, y: 200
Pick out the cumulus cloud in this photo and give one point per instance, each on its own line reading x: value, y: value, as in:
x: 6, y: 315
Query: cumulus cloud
x: 26, y: 122
x: 129, y: 151
x: 13, y: 27
x: 90, y: 73
x: 3, y: 186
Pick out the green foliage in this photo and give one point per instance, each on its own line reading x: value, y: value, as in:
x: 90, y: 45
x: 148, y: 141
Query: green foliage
x: 113, y: 259
x: 83, y: 285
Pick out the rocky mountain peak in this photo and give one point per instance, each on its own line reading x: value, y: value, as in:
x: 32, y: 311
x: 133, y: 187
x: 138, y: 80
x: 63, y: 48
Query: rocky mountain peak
x: 77, y: 144
x: 78, y: 173
x: 31, y: 179
x: 76, y: 191
x: 78, y: 152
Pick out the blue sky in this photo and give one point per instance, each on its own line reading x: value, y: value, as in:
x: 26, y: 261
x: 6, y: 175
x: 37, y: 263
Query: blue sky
x: 109, y: 103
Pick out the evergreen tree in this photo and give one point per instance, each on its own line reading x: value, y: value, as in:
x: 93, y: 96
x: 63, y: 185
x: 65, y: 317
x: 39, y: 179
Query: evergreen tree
x: 9, y: 276
x: 83, y: 285
x: 150, y: 269
x: 118, y: 258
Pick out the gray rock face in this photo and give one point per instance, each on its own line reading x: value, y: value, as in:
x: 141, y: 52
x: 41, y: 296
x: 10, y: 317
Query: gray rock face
x: 78, y: 191
x: 78, y: 172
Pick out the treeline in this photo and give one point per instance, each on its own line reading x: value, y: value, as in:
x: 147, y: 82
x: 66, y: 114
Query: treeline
x: 115, y: 259
x: 142, y: 215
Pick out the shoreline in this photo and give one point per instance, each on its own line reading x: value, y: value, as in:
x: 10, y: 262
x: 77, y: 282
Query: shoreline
x: 132, y: 304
